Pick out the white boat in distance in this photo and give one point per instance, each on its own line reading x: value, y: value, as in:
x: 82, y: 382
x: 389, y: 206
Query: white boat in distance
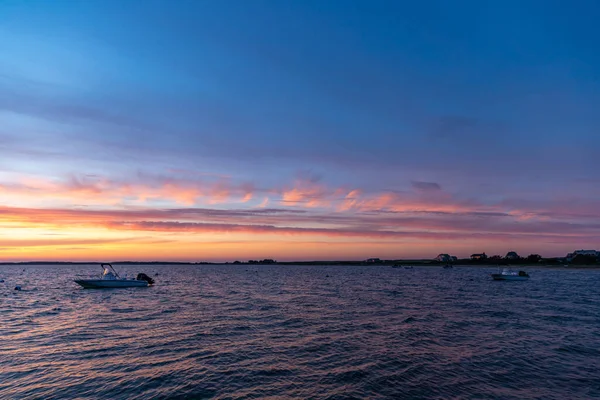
x: 111, y: 279
x: 508, y: 275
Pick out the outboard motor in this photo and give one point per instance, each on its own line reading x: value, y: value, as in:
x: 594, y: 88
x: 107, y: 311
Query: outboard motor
x: 144, y: 277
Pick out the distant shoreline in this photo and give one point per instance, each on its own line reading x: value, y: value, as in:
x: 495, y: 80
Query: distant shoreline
x: 385, y: 264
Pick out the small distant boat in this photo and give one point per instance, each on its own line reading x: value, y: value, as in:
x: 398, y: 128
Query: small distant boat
x: 509, y: 275
x: 397, y: 266
x: 447, y: 266
x: 111, y: 279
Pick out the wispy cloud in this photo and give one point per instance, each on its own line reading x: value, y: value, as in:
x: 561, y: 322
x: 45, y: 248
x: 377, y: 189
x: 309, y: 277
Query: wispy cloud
x: 93, y: 190
x: 11, y: 243
x: 309, y: 209
x: 368, y: 224
x: 426, y: 186
x: 41, y: 100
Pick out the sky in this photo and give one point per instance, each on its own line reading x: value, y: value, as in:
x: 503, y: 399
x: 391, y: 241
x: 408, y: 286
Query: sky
x: 297, y: 130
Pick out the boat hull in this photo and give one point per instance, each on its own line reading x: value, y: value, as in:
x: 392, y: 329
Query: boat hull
x: 500, y: 277
x: 110, y: 283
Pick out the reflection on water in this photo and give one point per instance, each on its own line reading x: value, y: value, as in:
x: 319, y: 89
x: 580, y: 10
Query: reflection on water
x: 304, y: 332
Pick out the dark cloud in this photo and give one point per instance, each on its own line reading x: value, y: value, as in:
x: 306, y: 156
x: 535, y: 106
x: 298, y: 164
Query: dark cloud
x: 54, y: 108
x: 308, y: 175
x: 426, y: 186
x: 200, y: 227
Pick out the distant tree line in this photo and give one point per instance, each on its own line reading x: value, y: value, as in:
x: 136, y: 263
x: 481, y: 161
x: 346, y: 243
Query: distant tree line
x: 265, y: 261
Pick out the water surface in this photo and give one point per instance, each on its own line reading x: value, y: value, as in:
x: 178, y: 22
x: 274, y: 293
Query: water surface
x: 300, y: 332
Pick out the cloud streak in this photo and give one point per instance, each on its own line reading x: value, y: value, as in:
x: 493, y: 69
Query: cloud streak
x: 435, y: 225
x: 426, y: 186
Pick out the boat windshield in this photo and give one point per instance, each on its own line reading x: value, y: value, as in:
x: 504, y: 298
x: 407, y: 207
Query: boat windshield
x: 507, y: 271
x: 108, y: 274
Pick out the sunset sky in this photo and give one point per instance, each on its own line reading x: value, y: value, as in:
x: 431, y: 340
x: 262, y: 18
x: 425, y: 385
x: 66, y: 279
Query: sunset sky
x: 298, y: 130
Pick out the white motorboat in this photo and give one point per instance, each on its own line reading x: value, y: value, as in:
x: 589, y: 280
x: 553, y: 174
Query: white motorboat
x: 509, y: 275
x: 111, y: 279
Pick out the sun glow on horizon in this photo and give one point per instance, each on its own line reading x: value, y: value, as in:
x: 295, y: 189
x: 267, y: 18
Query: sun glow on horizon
x: 371, y: 225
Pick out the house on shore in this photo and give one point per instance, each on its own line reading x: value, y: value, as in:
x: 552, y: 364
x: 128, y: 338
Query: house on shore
x: 445, y: 258
x: 479, y: 256
x: 512, y: 255
x: 589, y: 253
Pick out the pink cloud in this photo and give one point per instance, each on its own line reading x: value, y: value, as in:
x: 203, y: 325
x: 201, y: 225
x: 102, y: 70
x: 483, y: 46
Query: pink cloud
x: 98, y: 190
x: 309, y: 208
x: 263, y: 203
x: 367, y: 224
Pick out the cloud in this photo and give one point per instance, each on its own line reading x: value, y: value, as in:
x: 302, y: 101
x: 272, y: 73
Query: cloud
x: 149, y: 190
x: 53, y: 103
x: 308, y: 208
x: 264, y: 203
x: 389, y: 224
x: 308, y: 192
x: 426, y: 186
x: 466, y: 134
x: 6, y: 243
x: 94, y: 190
x: 309, y: 175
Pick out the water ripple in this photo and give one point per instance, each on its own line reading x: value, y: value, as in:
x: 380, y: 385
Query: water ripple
x: 227, y: 332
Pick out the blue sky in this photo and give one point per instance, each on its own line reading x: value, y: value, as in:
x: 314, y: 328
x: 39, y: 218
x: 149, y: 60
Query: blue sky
x: 493, y: 104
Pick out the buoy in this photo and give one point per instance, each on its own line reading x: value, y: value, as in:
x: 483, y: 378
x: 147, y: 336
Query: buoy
x: 17, y: 287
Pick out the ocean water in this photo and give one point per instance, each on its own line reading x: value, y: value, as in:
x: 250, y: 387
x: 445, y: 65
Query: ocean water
x: 306, y: 332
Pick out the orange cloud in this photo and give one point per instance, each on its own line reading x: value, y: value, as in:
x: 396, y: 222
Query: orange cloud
x: 143, y: 233
x: 264, y: 203
x: 91, y: 190
x: 119, y: 214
